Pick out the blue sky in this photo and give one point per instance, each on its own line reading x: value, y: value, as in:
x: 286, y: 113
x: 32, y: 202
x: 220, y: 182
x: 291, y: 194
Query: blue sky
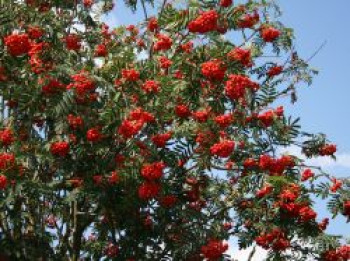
x: 325, y: 105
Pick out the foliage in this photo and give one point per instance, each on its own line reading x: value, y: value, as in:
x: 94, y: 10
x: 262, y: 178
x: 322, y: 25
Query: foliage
x: 157, y: 141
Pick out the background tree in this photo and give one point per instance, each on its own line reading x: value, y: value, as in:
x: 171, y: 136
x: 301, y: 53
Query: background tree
x: 157, y: 141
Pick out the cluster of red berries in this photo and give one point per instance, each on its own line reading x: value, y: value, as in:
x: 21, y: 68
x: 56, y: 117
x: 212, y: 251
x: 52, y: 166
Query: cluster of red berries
x: 223, y: 149
x: 237, y: 85
x: 187, y: 47
x: 270, y: 34
x: 153, y: 171
x: 292, y: 209
x: 75, y: 122
x: 60, y: 148
x: 3, y: 181
x: 140, y: 114
x: 307, y: 174
x: 274, y: 71
x: 337, y: 184
x: 346, y: 208
x: 275, y: 167
x: 224, y: 120
x: 248, y: 20
x: 93, y: 135
x: 306, y: 214
x: 88, y: 3
x: 130, y: 75
x: 7, y: 160
x: 111, y: 251
x: 160, y: 140
x: 53, y: 86
x: 17, y: 44
x: 151, y: 86
x: 290, y: 193
x: 264, y: 191
x: 275, y: 240
x: 38, y: 65
x: 205, y: 22
x: 267, y: 118
x: 165, y: 63
x: 214, y: 249
x: 101, y: 50
x: 152, y: 25
x: 113, y: 178
x: 226, y: 3
x: 201, y: 115
x: 134, y: 123
x: 132, y: 29
x: 35, y: 32
x: 129, y: 128
x: 73, y: 42
x: 323, y: 224
x: 82, y: 83
x: 340, y: 254
x: 182, y: 111
x: 163, y: 43
x: 148, y: 190
x: 6, y: 137
x: 21, y: 44
x: 213, y: 70
x: 328, y: 150
x: 241, y: 55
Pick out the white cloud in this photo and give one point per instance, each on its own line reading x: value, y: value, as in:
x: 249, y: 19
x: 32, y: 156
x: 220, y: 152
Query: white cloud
x: 243, y: 255
x: 343, y: 159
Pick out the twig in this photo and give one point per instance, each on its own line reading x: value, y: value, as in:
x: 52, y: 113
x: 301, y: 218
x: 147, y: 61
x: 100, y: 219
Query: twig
x: 144, y: 9
x: 162, y: 8
x: 250, y: 257
x: 317, y: 51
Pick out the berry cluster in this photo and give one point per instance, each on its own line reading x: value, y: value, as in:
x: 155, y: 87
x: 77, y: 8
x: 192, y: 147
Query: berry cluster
x: 223, y: 149
x: 7, y: 160
x: 163, y: 43
x: 237, y: 85
x: 241, y: 55
x: 134, y: 123
x: 73, y: 42
x: 152, y: 171
x: 6, y: 137
x: 160, y: 140
x: 214, y: 249
x: 213, y: 70
x: 270, y: 34
x: 275, y: 240
x: 60, y: 148
x: 205, y: 22
x: 17, y: 44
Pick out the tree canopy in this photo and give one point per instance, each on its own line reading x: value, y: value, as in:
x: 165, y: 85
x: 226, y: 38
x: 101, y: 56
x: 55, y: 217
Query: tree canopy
x: 159, y: 140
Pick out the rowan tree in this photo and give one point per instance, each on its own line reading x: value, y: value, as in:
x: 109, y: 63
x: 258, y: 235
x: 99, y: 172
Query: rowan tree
x: 159, y: 140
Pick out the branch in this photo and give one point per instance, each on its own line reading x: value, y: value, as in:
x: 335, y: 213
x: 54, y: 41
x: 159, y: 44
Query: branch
x: 162, y: 8
x: 251, y: 254
x: 144, y: 9
x: 317, y: 51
